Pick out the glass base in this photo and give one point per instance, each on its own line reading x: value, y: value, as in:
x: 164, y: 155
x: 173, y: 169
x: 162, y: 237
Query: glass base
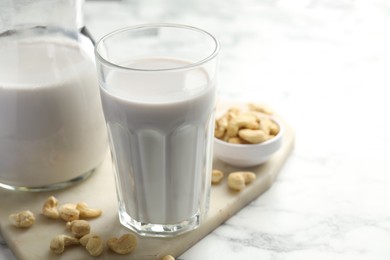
x: 49, y: 187
x: 159, y: 230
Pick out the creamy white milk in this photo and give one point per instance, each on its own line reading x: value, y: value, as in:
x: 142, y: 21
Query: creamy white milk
x: 161, y: 139
x: 51, y: 124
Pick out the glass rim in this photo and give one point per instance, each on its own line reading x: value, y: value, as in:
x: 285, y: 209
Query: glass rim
x: 209, y: 57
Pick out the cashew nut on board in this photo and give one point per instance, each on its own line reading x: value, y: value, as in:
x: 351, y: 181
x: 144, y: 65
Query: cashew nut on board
x: 238, y: 180
x: 87, y: 212
x: 93, y: 244
x: 123, y: 245
x: 216, y: 176
x: 58, y: 243
x: 23, y: 219
x: 50, y: 209
x: 68, y: 212
x: 78, y: 227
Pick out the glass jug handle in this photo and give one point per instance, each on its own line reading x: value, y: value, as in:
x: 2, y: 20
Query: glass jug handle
x: 84, y: 31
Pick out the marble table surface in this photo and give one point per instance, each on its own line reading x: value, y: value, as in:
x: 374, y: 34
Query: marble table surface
x: 324, y: 66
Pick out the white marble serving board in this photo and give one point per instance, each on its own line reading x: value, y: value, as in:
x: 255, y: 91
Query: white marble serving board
x: 99, y: 191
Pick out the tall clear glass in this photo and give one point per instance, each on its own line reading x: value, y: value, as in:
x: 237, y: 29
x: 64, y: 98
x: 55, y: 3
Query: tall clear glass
x: 158, y: 90
x: 52, y: 129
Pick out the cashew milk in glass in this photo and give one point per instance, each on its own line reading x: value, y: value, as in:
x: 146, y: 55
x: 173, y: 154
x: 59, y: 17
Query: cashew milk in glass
x: 160, y: 136
x: 52, y: 128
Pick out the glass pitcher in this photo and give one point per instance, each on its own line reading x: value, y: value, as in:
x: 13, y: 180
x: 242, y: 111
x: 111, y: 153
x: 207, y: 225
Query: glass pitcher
x: 52, y: 130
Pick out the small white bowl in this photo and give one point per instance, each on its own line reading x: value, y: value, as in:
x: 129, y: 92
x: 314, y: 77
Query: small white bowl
x: 248, y: 155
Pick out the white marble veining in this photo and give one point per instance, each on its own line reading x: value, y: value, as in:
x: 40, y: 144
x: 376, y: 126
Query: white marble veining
x: 324, y: 66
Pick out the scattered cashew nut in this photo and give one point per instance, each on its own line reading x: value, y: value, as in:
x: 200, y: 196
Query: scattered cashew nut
x: 93, y: 244
x: 216, y: 176
x: 49, y: 208
x: 68, y: 212
x: 124, y: 245
x: 238, y: 180
x: 86, y: 212
x: 249, y: 177
x: 58, y: 243
x: 78, y: 227
x: 23, y: 219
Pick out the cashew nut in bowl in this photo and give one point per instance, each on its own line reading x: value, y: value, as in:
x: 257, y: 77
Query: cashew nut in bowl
x: 237, y: 140
x: 260, y: 108
x: 241, y: 121
x: 251, y: 137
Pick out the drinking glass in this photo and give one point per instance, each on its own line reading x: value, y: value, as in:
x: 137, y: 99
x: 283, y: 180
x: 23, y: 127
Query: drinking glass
x: 158, y: 90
